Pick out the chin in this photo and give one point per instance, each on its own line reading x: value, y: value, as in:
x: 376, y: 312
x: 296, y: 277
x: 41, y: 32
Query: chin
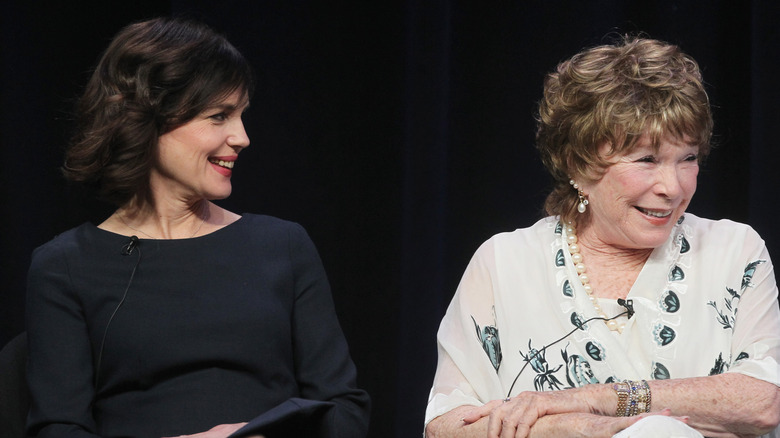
x: 653, y: 240
x: 217, y: 195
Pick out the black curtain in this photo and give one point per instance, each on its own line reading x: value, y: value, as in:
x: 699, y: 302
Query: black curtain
x: 400, y: 134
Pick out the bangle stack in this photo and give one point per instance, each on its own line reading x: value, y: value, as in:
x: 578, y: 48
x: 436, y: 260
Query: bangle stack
x: 633, y: 398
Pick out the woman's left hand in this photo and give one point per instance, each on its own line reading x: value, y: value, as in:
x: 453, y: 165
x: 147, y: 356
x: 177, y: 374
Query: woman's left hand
x: 220, y: 431
x: 515, y: 417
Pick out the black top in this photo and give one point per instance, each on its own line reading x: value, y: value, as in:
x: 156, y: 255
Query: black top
x: 214, y: 329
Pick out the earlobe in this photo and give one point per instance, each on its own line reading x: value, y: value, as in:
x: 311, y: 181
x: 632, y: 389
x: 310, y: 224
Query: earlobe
x: 582, y: 206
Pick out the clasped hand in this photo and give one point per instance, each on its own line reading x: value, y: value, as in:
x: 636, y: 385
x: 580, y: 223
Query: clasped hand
x: 515, y: 416
x: 572, y: 414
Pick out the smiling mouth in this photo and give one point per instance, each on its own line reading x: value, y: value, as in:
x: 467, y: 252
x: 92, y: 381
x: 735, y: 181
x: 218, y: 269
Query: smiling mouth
x: 659, y: 214
x: 222, y: 163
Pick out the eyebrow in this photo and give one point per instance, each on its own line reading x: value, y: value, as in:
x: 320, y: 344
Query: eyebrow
x: 227, y: 107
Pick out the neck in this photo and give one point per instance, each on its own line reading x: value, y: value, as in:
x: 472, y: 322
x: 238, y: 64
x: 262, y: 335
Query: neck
x: 617, y: 259
x: 612, y: 270
x: 166, y: 221
x: 605, y: 254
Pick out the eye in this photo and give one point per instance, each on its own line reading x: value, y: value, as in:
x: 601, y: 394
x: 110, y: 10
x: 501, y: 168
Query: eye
x: 691, y: 157
x: 219, y: 117
x: 646, y: 159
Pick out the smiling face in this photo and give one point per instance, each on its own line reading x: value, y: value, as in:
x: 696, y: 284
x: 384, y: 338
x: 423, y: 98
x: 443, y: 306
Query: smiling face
x: 642, y: 193
x: 195, y: 160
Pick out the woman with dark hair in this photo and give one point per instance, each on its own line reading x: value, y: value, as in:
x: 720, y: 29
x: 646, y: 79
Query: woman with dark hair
x: 175, y: 316
x: 673, y: 329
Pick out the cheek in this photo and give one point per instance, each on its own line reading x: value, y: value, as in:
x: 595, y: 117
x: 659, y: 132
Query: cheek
x: 690, y: 182
x: 628, y: 188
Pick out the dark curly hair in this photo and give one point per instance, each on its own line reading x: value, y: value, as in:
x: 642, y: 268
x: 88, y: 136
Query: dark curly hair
x: 615, y: 94
x: 154, y: 76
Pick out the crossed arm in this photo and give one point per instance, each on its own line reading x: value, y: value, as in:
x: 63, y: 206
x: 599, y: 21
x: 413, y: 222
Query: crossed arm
x: 726, y: 405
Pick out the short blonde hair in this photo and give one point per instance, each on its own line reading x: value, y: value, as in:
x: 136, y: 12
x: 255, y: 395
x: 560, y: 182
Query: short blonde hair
x: 614, y: 94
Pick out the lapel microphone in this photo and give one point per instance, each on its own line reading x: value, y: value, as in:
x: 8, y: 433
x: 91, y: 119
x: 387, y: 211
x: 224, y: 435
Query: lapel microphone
x: 628, y: 304
x: 128, y: 247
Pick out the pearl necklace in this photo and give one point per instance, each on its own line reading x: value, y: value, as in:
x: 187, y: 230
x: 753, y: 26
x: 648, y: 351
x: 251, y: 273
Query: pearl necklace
x: 579, y: 266
x: 154, y: 238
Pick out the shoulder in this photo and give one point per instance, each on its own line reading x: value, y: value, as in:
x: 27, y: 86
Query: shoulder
x: 269, y: 225
x: 270, y: 230
x: 705, y: 225
x: 528, y: 247
x: 524, y: 240
x: 83, y: 249
x: 65, y: 243
x: 718, y: 242
x: 719, y: 232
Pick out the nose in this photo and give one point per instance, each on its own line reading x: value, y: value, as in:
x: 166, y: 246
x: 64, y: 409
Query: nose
x: 238, y: 139
x: 668, y: 184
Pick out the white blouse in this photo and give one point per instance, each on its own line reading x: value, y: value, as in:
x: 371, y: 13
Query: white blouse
x: 705, y: 303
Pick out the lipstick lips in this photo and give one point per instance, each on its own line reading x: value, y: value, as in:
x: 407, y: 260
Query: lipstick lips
x: 223, y: 165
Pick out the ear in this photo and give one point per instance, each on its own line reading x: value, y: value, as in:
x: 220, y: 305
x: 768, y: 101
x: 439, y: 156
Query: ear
x: 586, y: 178
x: 577, y: 177
x: 571, y: 170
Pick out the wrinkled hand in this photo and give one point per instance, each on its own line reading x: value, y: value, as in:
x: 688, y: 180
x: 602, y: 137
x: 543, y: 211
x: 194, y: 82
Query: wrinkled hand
x: 516, y: 416
x: 589, y: 425
x: 220, y: 431
x: 579, y: 425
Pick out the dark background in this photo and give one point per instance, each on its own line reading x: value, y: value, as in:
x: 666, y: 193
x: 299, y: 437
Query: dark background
x: 399, y: 133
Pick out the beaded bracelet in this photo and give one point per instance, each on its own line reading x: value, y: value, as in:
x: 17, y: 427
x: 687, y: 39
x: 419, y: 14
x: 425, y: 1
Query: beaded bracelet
x: 633, y: 398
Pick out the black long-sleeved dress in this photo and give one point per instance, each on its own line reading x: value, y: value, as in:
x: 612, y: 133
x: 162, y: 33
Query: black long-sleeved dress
x: 212, y: 330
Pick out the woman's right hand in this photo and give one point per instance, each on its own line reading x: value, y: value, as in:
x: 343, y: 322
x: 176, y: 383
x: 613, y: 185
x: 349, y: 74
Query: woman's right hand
x: 569, y: 424
x: 516, y: 416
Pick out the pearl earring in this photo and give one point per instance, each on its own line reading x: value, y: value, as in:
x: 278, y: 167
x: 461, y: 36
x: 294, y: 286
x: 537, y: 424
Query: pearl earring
x: 583, y: 205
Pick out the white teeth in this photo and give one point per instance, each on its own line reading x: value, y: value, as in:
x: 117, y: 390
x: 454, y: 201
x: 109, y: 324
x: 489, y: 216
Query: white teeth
x: 226, y: 164
x: 656, y: 213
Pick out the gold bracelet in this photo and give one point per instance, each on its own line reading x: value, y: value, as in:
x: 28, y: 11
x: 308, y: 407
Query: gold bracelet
x: 643, y: 398
x: 634, y: 398
x: 622, y: 391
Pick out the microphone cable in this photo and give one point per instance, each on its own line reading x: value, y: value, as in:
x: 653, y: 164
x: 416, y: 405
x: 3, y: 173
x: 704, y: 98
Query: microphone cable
x: 127, y: 250
x: 543, y: 349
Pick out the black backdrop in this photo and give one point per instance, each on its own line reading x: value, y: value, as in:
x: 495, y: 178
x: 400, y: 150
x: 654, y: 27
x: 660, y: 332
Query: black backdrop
x: 398, y: 133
